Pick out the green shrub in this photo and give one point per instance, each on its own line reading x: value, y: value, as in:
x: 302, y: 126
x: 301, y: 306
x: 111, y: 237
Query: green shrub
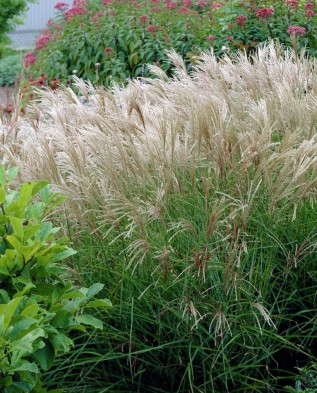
x: 39, y: 303
x: 10, y: 67
x: 307, y: 382
x: 115, y: 41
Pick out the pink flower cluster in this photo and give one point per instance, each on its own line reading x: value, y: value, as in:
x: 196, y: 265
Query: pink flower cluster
x: 97, y: 16
x: 214, y: 6
x: 309, y: 13
x: 241, y: 20
x: 80, y: 3
x: 61, y: 6
x: 184, y: 10
x: 264, y: 13
x: 292, y: 2
x: 187, y: 3
x: 29, y: 59
x: 201, y: 3
x: 211, y: 38
x: 143, y: 19
x: 296, y: 31
x: 77, y: 10
x: 171, y: 5
x: 106, y: 2
x: 151, y: 29
x: 42, y: 41
x: 309, y: 6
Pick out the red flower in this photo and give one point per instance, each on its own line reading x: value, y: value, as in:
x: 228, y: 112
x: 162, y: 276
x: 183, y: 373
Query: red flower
x: 151, y: 29
x: 184, y: 10
x: 292, y: 2
x: 54, y: 83
x: 80, y: 3
x: 264, y: 12
x: 296, y: 30
x: 309, y: 13
x: 106, y: 2
x: 61, y: 6
x: 187, y: 3
x: 171, y: 5
x: 143, y: 19
x: 96, y: 16
x: 42, y: 41
x: 77, y: 10
x: 210, y: 38
x: 216, y: 5
x: 108, y: 51
x: 309, y: 6
x: 155, y: 9
x: 201, y: 3
x: 29, y: 59
x: 241, y: 20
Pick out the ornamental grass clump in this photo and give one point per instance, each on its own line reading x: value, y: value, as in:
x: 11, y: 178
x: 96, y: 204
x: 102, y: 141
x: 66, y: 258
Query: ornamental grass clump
x: 193, y: 199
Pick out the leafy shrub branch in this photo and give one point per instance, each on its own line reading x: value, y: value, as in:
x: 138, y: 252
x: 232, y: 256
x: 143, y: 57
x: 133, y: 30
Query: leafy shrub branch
x: 39, y: 303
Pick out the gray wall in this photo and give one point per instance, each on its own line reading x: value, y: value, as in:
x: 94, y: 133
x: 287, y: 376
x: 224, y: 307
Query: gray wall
x: 35, y: 20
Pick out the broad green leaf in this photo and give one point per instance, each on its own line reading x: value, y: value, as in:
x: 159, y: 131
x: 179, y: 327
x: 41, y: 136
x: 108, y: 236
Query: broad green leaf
x: 65, y: 254
x: 94, y: 289
x: 54, y: 203
x: 5, y: 296
x: 2, y: 195
x: 6, y: 381
x: 17, y: 226
x: 30, y: 231
x: 12, y: 172
x: 30, y: 311
x: 14, y: 242
x: 3, y: 247
x: 19, y: 387
x: 39, y: 186
x: 100, y: 303
x: 2, y: 329
x: 43, y: 233
x: 27, y: 341
x: 72, y: 294
x: 20, y: 328
x: 10, y: 310
x: 26, y: 289
x: 89, y: 320
x: 62, y: 319
x: 27, y: 366
x: 3, y: 266
x: 37, y: 211
x: 61, y: 342
x: 46, y: 193
x: 45, y: 356
x: 2, y: 176
x: 25, y: 193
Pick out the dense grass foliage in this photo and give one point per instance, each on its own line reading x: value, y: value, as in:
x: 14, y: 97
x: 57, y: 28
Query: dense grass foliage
x: 10, y: 67
x: 193, y: 199
x: 112, y: 40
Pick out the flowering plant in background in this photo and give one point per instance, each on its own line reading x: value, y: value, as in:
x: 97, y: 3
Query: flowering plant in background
x: 123, y: 36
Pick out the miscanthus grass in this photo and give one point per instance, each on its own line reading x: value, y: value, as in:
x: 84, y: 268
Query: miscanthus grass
x: 194, y: 200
